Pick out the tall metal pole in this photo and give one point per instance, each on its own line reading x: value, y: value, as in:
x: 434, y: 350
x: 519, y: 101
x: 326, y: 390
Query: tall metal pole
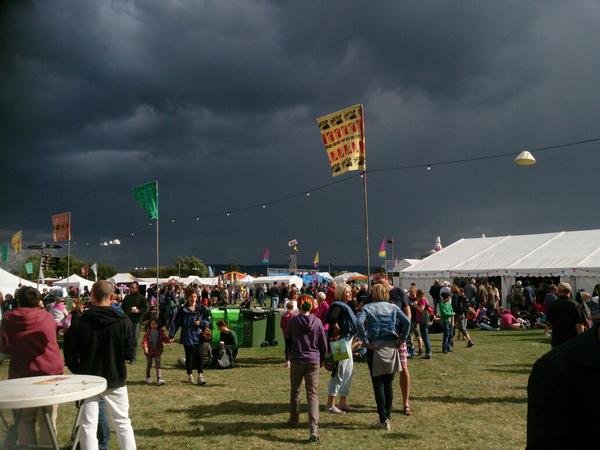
x: 157, y: 241
x: 364, y: 177
x: 68, y: 263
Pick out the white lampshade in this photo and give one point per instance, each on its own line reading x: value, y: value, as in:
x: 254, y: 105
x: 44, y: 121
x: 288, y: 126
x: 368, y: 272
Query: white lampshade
x: 525, y: 158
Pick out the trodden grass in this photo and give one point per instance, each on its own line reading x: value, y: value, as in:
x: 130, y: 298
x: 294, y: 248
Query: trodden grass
x: 473, y: 398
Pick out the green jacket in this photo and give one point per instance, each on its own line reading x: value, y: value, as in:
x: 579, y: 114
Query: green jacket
x: 446, y: 311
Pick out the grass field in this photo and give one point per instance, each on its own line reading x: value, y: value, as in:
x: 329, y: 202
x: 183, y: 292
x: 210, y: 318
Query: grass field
x: 473, y: 398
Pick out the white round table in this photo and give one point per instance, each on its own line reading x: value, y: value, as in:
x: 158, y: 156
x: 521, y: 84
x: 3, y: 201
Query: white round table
x: 32, y: 392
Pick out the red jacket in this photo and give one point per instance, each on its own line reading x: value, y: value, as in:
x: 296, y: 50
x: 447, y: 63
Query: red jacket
x: 330, y: 296
x: 146, y: 343
x: 28, y: 335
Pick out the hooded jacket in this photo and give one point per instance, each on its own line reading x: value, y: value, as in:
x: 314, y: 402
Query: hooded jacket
x: 308, y: 340
x: 191, y: 334
x: 28, y: 335
x: 99, y: 343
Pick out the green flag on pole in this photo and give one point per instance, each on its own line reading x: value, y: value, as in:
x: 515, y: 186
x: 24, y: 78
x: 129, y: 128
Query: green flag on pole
x: 4, y: 250
x: 147, y: 197
x: 29, y: 268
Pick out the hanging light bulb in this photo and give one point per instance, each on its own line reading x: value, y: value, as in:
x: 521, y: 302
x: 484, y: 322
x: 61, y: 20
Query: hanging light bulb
x: 308, y: 194
x: 428, y: 167
x: 264, y: 206
x: 525, y: 158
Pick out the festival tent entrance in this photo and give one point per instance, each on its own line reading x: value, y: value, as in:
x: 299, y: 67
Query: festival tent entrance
x: 74, y: 281
x: 572, y: 256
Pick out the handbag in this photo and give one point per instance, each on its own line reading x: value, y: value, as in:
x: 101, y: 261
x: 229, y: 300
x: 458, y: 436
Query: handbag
x: 339, y: 350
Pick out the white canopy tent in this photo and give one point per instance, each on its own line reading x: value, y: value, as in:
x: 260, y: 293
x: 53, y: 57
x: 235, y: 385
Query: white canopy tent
x: 574, y: 256
x: 344, y: 277
x: 127, y: 278
x: 200, y: 281
x: 74, y: 281
x: 9, y: 282
x: 288, y: 279
x: 247, y: 280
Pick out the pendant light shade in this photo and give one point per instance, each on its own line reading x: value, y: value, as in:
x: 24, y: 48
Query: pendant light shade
x: 525, y: 158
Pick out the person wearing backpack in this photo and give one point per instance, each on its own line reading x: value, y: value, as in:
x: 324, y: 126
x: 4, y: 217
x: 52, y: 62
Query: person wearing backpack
x: 460, y: 305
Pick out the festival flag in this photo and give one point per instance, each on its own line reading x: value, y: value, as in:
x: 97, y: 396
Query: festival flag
x: 29, y: 268
x: 61, y: 227
x: 147, y: 197
x: 265, y: 258
x: 95, y: 270
x: 17, y: 242
x: 316, y: 260
x: 211, y: 272
x: 343, y: 135
x: 84, y: 271
x: 41, y: 276
x: 382, y: 252
x: 4, y: 251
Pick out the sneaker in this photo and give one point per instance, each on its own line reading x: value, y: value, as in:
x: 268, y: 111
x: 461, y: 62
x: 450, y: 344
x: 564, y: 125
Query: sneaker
x: 292, y: 423
x: 287, y: 364
x: 160, y: 382
x: 201, y: 380
x: 445, y: 352
x: 335, y: 410
x: 426, y: 357
x: 190, y: 379
x: 470, y: 344
x: 387, y: 426
x: 314, y: 438
x: 148, y: 380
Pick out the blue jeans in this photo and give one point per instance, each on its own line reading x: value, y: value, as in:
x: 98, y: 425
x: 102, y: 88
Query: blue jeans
x: 274, y: 302
x: 425, y: 336
x: 103, y: 428
x: 447, y: 328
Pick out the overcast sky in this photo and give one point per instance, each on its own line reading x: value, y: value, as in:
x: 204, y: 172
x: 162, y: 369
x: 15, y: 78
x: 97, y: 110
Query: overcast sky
x: 218, y: 100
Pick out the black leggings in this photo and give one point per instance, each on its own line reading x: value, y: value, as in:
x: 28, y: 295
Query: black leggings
x: 193, y: 358
x: 383, y: 389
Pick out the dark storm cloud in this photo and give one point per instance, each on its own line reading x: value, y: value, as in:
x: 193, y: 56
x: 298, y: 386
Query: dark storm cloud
x: 218, y: 101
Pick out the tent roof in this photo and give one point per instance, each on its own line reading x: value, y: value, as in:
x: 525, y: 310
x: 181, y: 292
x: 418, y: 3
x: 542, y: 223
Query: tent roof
x: 550, y: 254
x: 289, y: 279
x: 9, y: 282
x: 73, y: 280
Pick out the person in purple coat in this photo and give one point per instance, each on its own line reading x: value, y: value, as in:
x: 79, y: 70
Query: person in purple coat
x: 308, y: 346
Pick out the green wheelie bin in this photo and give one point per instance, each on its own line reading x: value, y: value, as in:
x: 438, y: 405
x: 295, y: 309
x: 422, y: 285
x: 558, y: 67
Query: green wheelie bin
x: 274, y: 334
x: 216, y: 314
x: 254, y: 327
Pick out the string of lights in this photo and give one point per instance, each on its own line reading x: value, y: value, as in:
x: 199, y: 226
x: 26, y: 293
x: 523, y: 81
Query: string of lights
x: 307, y: 192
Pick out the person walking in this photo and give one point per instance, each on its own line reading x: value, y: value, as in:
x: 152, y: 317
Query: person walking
x: 308, y: 346
x: 341, y: 323
x: 135, y: 307
x: 383, y: 327
x: 99, y: 343
x: 447, y: 320
x: 460, y: 305
x: 192, y: 318
x: 422, y: 312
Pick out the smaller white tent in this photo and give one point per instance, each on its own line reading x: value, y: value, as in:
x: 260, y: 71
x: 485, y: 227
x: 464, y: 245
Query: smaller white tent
x: 344, y: 277
x: 287, y: 279
x: 127, y: 278
x: 74, y: 281
x: 200, y: 281
x: 247, y: 280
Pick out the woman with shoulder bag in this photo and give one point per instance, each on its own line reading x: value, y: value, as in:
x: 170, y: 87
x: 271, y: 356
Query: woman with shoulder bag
x: 424, y: 313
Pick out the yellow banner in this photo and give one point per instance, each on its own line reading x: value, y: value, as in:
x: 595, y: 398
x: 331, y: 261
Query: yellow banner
x: 343, y: 134
x: 17, y: 242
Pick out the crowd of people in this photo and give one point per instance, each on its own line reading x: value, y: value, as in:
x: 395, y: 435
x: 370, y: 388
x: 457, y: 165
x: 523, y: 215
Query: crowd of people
x: 325, y: 325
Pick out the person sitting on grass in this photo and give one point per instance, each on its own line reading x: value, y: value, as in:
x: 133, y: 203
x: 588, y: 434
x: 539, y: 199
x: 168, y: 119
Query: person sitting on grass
x: 483, y: 320
x: 152, y: 344
x: 228, y: 337
x: 508, y: 321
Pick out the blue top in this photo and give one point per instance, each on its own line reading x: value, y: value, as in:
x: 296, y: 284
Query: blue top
x: 384, y: 321
x: 191, y: 333
x: 340, y: 313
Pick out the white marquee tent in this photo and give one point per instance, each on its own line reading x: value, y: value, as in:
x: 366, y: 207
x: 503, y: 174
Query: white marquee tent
x: 9, y: 282
x: 287, y: 279
x: 573, y: 256
x: 74, y: 281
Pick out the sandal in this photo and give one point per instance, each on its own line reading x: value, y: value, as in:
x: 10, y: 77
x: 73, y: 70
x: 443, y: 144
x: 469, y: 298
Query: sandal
x: 407, y: 411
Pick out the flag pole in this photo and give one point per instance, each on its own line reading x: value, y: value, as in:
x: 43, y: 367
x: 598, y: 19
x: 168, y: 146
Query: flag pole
x: 157, y: 240
x: 68, y: 260
x: 364, y: 177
